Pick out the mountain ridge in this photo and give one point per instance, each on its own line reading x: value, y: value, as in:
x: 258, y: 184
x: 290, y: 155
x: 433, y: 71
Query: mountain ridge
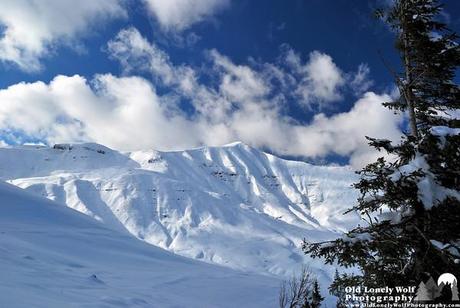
x: 199, y: 203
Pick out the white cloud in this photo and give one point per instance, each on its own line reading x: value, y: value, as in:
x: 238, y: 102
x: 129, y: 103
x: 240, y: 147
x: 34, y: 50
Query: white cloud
x: 135, y: 53
x: 343, y: 133
x: 360, y: 82
x: 126, y: 113
x: 241, y: 103
x: 33, y: 28
x: 178, y: 15
x: 239, y: 83
x: 320, y: 79
x: 318, y: 82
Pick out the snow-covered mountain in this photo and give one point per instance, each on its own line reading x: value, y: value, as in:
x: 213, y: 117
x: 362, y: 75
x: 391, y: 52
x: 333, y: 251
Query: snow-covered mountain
x: 231, y: 205
x: 52, y: 256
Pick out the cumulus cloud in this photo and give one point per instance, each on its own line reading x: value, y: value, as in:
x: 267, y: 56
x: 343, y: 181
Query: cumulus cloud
x: 241, y: 103
x: 343, y: 133
x: 178, y: 15
x: 320, y: 79
x: 107, y: 109
x: 135, y: 53
x: 316, y: 82
x: 32, y: 28
x: 127, y: 113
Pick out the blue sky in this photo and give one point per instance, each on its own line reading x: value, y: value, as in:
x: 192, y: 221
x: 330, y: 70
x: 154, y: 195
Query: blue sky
x: 299, y: 78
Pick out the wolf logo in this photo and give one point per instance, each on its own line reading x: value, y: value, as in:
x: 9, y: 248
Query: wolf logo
x: 445, y: 290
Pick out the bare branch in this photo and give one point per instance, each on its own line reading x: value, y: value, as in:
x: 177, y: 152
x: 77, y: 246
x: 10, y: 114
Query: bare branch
x: 295, y: 292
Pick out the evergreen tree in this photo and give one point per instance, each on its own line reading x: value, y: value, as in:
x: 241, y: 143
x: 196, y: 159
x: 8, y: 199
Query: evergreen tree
x: 306, y: 304
x: 422, y: 293
x: 455, y: 291
x: 316, y: 297
x: 411, y: 203
x: 433, y: 289
x: 337, y: 290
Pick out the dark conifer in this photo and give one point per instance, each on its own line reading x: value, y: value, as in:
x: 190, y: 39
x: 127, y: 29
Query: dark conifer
x: 316, y: 297
x: 412, y: 202
x: 337, y: 289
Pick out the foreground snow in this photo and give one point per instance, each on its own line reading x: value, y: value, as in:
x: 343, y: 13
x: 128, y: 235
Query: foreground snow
x: 53, y: 256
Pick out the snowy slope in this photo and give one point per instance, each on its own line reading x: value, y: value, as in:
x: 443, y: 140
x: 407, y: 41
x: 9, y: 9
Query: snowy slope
x: 232, y: 205
x: 52, y: 256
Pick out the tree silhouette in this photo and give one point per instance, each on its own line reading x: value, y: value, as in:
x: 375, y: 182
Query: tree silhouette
x: 422, y: 293
x: 433, y: 290
x: 316, y: 297
x: 416, y: 190
x: 338, y: 290
x: 455, y: 291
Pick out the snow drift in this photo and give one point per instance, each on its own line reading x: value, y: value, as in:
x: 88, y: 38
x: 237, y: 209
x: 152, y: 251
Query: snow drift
x: 53, y: 256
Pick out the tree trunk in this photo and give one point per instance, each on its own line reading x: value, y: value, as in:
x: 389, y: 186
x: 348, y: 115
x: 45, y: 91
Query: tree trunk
x: 408, y: 95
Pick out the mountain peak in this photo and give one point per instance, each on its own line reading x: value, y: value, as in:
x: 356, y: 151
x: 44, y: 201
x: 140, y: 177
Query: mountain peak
x: 235, y: 144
